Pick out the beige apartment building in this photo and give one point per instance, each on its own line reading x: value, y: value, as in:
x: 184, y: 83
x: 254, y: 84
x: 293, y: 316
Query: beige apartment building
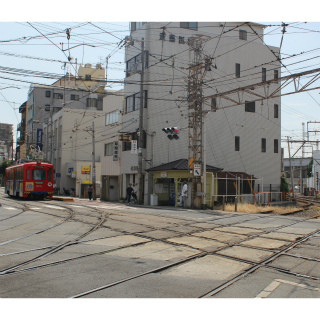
x: 242, y: 138
x: 70, y: 141
x: 72, y: 148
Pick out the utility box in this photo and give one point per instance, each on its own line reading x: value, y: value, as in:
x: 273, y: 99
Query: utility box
x: 153, y: 200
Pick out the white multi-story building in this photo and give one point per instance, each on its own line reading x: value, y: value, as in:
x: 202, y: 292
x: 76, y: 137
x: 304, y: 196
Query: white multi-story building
x: 242, y: 138
x: 110, y: 161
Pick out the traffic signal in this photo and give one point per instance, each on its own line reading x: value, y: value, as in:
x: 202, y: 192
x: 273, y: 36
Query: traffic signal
x: 173, y: 132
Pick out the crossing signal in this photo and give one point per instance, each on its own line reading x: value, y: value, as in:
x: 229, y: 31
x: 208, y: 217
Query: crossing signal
x: 173, y: 132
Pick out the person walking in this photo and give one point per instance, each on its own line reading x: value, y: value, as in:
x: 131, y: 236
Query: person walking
x: 184, y: 194
x: 90, y: 189
x: 129, y: 192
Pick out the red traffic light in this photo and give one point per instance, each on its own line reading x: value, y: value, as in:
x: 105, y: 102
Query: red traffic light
x: 173, y: 132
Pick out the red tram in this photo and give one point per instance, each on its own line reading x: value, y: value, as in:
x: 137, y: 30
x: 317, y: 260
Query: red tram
x: 29, y: 180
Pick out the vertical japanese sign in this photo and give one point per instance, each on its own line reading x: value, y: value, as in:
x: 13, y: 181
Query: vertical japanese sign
x: 39, y: 139
x: 134, y: 146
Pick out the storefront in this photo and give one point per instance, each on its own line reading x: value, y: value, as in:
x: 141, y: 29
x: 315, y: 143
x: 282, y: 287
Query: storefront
x: 168, y: 180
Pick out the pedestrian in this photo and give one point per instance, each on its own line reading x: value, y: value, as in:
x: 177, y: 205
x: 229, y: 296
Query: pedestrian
x: 184, y: 194
x: 90, y: 189
x: 129, y: 192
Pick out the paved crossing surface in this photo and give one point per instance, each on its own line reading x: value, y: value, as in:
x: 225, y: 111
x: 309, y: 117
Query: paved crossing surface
x: 95, y: 249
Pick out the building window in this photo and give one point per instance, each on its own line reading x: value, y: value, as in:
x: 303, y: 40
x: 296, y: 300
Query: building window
x: 181, y: 40
x: 276, y: 111
x: 136, y: 25
x: 242, y: 34
x: 126, y: 145
x: 172, y: 38
x: 87, y: 77
x: 129, y: 104
x: 74, y: 97
x: 134, y: 64
x: 264, y: 74
x: 108, y: 149
x: 92, y: 103
x: 263, y: 145
x: 162, y: 35
x: 237, y: 143
x: 213, y: 104
x: 189, y: 25
x: 133, y: 102
x: 275, y: 146
x: 275, y: 74
x: 48, y: 93
x: 237, y: 70
x: 58, y: 95
x: 250, y: 106
x: 112, y: 117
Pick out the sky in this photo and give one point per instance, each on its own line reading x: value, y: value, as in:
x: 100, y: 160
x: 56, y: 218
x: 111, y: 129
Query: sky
x: 97, y: 30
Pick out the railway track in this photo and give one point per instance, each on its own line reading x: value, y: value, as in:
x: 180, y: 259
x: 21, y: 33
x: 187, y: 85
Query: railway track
x: 106, y: 217
x: 55, y: 248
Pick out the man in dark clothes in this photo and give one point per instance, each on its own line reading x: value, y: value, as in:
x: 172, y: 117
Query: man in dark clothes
x: 90, y: 189
x: 129, y: 192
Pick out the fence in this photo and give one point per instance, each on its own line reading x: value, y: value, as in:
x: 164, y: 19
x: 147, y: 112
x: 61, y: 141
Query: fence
x: 245, y: 189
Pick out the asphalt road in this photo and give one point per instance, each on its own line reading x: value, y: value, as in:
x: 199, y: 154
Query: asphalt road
x: 54, y: 249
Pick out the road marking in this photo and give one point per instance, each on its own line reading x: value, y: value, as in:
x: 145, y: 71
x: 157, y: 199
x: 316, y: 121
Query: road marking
x: 276, y: 283
x: 10, y: 208
x: 119, y: 207
x: 53, y: 207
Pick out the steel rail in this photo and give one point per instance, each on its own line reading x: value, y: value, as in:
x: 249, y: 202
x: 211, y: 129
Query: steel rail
x: 57, y: 247
x: 228, y: 244
x: 261, y: 264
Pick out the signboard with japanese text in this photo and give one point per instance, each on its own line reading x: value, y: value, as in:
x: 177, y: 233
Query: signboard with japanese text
x: 85, y: 169
x: 197, y: 169
x: 134, y: 146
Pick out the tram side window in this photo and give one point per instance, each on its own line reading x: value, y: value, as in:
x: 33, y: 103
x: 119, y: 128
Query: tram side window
x: 38, y: 175
x: 19, y: 173
x: 28, y: 175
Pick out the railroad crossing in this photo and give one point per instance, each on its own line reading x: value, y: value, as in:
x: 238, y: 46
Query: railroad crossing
x: 91, y: 249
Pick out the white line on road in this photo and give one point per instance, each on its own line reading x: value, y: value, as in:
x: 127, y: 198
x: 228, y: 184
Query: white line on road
x: 53, y: 207
x: 276, y: 283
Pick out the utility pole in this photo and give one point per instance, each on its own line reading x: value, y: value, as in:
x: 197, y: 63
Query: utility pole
x: 93, y: 164
x: 140, y: 141
x: 196, y: 132
x: 291, y: 171
x: 51, y: 136
x: 301, y: 177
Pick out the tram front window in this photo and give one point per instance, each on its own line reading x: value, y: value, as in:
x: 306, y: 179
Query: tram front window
x: 38, y: 175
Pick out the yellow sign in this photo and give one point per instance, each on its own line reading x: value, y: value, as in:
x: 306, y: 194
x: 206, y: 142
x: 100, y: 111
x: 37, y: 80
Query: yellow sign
x: 85, y: 169
x: 191, y: 163
x: 29, y: 186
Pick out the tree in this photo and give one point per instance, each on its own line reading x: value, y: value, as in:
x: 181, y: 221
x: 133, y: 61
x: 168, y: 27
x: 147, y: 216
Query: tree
x: 284, y: 186
x: 3, y: 165
x: 309, y: 169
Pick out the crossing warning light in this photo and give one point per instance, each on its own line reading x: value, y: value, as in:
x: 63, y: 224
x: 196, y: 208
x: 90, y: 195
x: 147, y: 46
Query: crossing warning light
x: 172, y: 132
